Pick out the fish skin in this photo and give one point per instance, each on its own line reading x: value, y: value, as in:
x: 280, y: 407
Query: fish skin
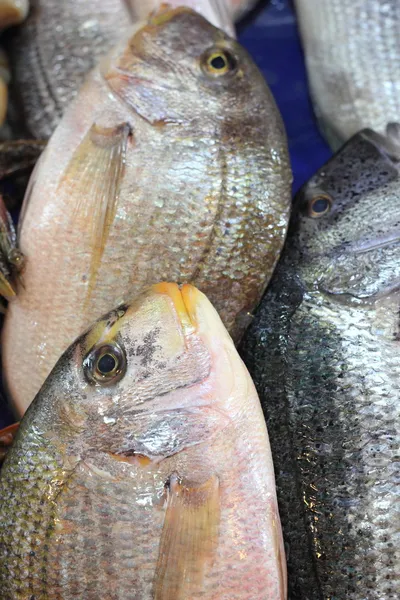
x: 324, y: 353
x: 352, y: 52
x: 54, y: 49
x: 77, y: 522
x: 60, y: 42
x: 204, y: 196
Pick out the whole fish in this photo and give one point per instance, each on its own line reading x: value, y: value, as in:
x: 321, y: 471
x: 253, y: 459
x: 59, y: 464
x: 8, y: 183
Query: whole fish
x: 143, y: 468
x: 171, y: 164
x: 352, y: 51
x: 61, y: 42
x: 324, y: 351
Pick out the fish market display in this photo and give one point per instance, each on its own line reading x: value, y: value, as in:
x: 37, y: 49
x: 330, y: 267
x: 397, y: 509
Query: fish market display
x: 143, y: 468
x: 352, y: 51
x: 171, y: 164
x: 61, y: 42
x: 324, y: 351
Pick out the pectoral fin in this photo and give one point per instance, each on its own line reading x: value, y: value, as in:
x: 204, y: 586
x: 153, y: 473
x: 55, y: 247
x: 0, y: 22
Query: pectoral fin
x: 93, y: 177
x: 189, y: 538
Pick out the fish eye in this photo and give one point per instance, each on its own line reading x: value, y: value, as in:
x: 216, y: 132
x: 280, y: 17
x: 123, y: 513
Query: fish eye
x: 216, y: 62
x: 105, y: 364
x: 319, y: 205
x: 16, y: 258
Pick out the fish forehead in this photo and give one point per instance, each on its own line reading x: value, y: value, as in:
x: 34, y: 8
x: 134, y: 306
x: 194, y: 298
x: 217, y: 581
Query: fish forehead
x: 181, y: 28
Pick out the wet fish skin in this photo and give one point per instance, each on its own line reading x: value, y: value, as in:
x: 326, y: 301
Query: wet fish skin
x: 59, y: 43
x: 352, y: 52
x: 100, y: 474
x: 324, y: 353
x: 52, y: 52
x: 158, y: 171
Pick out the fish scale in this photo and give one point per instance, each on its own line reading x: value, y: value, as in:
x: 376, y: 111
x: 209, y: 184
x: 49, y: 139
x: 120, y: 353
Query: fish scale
x: 352, y: 52
x: 59, y: 43
x: 155, y: 483
x: 324, y: 352
x: 175, y: 178
x: 122, y: 563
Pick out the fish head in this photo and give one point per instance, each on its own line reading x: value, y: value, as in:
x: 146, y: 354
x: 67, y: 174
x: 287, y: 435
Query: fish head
x: 144, y: 380
x: 347, y: 222
x: 180, y: 69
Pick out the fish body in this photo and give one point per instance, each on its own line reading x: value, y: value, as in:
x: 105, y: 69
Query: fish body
x: 324, y: 352
x: 57, y: 46
x: 161, y: 169
x: 352, y: 52
x: 150, y: 477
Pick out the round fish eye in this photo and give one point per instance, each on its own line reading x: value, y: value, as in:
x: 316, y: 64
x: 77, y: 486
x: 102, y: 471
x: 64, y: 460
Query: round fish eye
x: 217, y: 62
x: 105, y: 364
x: 319, y: 205
x: 16, y: 258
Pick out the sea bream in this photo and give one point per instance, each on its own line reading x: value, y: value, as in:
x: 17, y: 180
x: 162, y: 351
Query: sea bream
x: 352, y: 52
x: 171, y: 164
x: 143, y: 467
x: 324, y: 352
x: 60, y: 42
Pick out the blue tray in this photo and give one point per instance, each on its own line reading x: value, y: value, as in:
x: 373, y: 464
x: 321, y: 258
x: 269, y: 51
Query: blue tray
x: 270, y: 35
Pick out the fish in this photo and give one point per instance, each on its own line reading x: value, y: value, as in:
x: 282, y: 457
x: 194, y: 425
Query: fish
x: 143, y: 468
x: 171, y: 164
x: 324, y: 352
x: 12, y: 12
x: 60, y: 43
x: 352, y: 52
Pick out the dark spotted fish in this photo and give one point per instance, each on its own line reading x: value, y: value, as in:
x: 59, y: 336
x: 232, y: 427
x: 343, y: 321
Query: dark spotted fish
x: 324, y: 351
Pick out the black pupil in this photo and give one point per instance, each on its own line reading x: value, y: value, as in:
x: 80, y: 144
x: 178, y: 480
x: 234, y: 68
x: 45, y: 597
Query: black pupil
x: 106, y: 364
x: 218, y: 62
x: 320, y: 205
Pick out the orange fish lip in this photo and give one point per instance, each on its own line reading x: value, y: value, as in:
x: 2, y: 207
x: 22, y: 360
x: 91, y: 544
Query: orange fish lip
x: 184, y: 300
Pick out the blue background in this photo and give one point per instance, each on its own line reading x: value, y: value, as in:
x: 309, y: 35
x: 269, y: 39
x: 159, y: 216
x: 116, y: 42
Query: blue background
x: 270, y: 35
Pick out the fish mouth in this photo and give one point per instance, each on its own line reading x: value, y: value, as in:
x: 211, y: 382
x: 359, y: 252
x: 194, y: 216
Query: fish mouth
x: 185, y: 300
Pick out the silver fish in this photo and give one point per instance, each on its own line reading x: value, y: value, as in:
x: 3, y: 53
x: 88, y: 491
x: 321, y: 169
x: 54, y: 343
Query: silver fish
x: 324, y: 351
x: 352, y: 52
x: 143, y: 469
x: 61, y: 42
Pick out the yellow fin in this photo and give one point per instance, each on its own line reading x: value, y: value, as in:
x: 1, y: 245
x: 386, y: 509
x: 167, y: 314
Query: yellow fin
x: 189, y: 539
x: 93, y: 177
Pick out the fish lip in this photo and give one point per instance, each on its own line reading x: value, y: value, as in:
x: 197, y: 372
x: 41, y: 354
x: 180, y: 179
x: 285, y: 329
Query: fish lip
x: 184, y: 300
